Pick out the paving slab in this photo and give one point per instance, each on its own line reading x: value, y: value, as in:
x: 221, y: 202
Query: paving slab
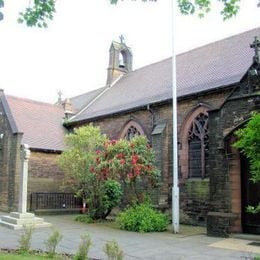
x: 163, y: 246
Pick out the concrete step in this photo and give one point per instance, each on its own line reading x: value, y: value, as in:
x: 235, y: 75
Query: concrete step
x: 21, y: 221
x: 22, y: 215
x: 16, y: 227
x: 251, y: 237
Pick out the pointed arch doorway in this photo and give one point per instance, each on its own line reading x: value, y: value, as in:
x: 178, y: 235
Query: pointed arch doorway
x: 243, y: 191
x: 250, y: 195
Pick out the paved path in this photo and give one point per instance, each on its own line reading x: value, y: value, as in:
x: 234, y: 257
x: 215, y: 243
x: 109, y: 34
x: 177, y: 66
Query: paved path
x: 155, y: 246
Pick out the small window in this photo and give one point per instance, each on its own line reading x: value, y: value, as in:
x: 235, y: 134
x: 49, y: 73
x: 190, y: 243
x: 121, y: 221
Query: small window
x: 130, y: 130
x: 131, y: 133
x: 198, y: 146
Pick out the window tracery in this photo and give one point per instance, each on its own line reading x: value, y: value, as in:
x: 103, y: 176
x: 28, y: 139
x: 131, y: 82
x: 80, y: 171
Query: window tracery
x: 131, y: 129
x: 131, y: 133
x: 198, y: 146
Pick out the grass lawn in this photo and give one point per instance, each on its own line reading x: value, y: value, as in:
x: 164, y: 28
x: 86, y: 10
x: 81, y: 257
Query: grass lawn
x: 7, y: 256
x: 16, y: 256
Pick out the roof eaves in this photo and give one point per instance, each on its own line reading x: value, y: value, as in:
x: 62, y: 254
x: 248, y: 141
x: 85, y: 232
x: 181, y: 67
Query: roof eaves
x: 208, y: 91
x: 119, y: 112
x: 46, y: 150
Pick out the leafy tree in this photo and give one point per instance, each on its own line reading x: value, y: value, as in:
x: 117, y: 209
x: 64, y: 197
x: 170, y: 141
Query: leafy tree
x: 38, y: 14
x: 249, y: 144
x: 230, y: 7
x: 78, y: 158
x: 78, y: 161
x: 1, y: 5
x: 96, y: 168
x: 41, y: 11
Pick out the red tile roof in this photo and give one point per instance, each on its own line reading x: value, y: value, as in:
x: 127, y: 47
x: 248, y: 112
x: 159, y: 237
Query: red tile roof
x: 40, y: 123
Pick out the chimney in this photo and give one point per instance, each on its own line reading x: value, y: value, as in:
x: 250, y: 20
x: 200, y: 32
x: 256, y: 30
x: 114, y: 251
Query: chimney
x: 68, y: 110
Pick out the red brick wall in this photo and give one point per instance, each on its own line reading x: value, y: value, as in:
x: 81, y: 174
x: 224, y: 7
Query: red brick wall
x: 44, y: 173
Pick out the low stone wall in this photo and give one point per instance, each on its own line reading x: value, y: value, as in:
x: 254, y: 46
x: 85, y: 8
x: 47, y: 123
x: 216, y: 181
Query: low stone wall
x: 219, y: 224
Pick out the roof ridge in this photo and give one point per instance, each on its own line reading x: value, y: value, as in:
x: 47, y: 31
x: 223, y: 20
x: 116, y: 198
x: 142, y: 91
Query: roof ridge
x: 149, y: 65
x: 219, y: 40
x: 91, y: 91
x: 194, y: 49
x: 31, y: 101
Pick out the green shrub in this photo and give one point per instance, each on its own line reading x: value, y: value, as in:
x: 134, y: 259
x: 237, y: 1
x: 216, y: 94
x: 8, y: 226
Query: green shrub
x: 25, y: 239
x: 103, y: 196
x: 52, y: 242
x: 85, y: 218
x: 249, y: 144
x: 82, y: 253
x: 113, y: 251
x: 142, y: 218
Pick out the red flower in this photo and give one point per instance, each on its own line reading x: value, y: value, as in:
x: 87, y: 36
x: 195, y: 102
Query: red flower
x: 98, y: 151
x: 120, y: 156
x: 113, y: 142
x: 137, y: 170
x: 134, y: 159
x: 92, y: 169
x: 130, y: 175
x: 97, y: 160
x: 122, y: 161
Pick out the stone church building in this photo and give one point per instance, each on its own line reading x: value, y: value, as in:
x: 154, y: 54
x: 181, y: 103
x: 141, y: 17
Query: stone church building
x: 218, y: 86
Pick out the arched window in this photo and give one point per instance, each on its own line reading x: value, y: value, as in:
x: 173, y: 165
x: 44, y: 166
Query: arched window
x: 131, y: 129
x: 198, y: 145
x: 131, y: 133
x: 192, y: 152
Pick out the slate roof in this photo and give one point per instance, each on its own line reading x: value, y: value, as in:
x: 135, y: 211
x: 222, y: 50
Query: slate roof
x: 212, y: 66
x: 78, y: 102
x: 40, y: 122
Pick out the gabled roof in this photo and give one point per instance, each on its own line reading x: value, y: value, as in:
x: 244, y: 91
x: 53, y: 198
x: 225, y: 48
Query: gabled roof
x: 212, y: 66
x: 40, y: 123
x: 80, y: 101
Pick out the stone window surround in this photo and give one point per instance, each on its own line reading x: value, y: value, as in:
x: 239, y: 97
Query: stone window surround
x: 184, y: 138
x: 131, y: 123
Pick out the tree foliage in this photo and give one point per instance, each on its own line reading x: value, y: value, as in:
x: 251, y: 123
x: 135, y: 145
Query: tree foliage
x: 39, y: 12
x: 131, y: 163
x: 99, y: 170
x: 229, y: 7
x: 249, y: 144
x: 78, y: 158
x: 1, y: 5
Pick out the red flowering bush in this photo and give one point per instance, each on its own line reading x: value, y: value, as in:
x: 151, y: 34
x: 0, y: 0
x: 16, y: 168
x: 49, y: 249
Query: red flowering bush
x: 98, y: 169
x: 130, y: 162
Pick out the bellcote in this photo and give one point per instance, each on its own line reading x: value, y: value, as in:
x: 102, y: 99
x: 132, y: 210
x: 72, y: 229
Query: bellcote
x: 120, y: 60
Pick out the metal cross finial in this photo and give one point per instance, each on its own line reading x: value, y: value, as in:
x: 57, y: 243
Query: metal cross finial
x: 256, y: 45
x: 122, y: 39
x: 59, y: 96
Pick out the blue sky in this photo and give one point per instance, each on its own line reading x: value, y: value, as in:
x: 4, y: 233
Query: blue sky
x: 72, y: 54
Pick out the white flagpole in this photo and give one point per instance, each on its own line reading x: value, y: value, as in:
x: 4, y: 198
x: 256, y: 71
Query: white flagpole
x: 175, y: 187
